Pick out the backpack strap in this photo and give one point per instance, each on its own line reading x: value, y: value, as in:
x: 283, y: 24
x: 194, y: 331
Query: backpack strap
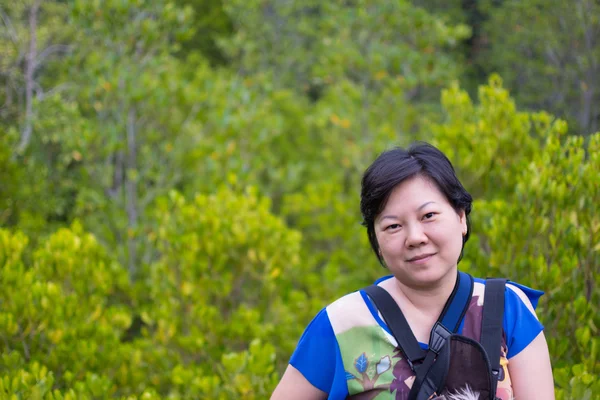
x: 429, y: 380
x: 491, y: 324
x: 395, y: 320
x: 458, y: 302
x: 451, y: 316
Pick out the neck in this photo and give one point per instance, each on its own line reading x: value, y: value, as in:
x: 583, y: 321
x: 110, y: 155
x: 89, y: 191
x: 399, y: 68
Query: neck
x: 431, y: 299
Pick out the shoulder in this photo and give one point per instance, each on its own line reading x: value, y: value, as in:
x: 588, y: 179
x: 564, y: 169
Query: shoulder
x: 347, y: 300
x: 316, y: 352
x: 528, y: 296
x: 521, y: 324
x: 514, y: 294
x: 352, y: 304
x: 349, y: 311
x: 317, y: 355
x: 333, y: 318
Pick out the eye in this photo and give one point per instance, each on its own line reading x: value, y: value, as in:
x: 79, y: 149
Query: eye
x: 429, y: 215
x: 393, y: 227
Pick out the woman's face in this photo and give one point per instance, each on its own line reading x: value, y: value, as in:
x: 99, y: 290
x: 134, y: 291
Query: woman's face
x: 419, y: 233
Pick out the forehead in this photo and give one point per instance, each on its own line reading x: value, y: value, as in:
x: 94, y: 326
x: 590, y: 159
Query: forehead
x: 413, y: 193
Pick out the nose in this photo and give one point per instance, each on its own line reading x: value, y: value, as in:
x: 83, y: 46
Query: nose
x: 415, y: 236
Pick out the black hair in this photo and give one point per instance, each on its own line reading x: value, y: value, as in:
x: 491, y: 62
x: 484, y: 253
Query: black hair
x: 393, y: 167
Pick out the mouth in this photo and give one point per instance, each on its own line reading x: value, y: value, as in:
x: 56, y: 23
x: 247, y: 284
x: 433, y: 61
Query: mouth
x: 421, y: 258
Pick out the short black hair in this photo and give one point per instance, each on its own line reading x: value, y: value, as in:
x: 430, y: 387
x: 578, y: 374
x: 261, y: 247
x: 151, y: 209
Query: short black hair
x: 395, y: 166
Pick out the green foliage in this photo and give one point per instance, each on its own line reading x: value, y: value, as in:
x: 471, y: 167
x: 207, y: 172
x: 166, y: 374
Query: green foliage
x: 549, y: 54
x: 53, y: 38
x: 136, y: 109
x: 534, y: 219
x: 491, y: 142
x: 223, y: 257
x: 556, y: 246
x: 211, y: 308
x: 60, y: 313
x: 188, y: 199
x: 10, y: 174
x: 210, y: 23
x: 363, y: 41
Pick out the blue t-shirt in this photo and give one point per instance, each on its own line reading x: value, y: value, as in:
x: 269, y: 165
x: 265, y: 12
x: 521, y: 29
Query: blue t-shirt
x: 318, y: 357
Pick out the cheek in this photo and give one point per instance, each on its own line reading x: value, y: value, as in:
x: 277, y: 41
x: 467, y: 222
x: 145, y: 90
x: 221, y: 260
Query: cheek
x: 455, y: 241
x: 389, y: 244
x: 379, y: 239
x: 450, y: 237
x: 384, y: 244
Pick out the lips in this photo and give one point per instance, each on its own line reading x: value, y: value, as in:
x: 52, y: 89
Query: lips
x: 421, y: 257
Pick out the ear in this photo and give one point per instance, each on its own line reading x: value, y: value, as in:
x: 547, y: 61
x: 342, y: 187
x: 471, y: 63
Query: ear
x: 462, y: 218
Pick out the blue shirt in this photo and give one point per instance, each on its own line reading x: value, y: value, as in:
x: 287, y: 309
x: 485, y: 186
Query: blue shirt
x: 318, y: 357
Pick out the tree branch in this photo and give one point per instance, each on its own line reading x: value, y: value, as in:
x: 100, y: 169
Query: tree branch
x: 131, y: 189
x: 29, y: 71
x: 58, y: 88
x: 114, y: 190
x: 10, y: 29
x: 50, y: 50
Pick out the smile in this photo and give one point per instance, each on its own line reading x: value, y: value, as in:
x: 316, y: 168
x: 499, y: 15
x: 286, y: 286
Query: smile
x: 423, y: 258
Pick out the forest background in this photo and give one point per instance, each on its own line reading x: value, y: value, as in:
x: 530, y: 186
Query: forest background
x: 179, y: 179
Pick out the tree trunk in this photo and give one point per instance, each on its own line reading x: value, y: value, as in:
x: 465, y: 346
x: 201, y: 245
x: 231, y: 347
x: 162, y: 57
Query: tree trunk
x: 30, y: 64
x: 131, y: 192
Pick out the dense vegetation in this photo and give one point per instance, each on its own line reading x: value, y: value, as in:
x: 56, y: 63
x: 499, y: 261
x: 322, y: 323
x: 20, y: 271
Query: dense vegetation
x: 179, y: 179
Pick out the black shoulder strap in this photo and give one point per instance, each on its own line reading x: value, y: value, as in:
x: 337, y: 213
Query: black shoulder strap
x: 397, y: 323
x: 491, y: 323
x: 452, y: 314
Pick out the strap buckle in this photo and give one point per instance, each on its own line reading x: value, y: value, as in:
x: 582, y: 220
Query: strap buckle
x: 439, y: 334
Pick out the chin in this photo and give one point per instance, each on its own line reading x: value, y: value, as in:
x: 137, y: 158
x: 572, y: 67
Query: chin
x: 431, y: 276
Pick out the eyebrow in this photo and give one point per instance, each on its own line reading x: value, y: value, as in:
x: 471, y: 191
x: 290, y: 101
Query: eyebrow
x: 425, y: 204
x: 418, y: 209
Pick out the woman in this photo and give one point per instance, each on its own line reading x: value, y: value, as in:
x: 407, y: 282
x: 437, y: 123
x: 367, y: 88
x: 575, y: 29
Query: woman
x: 417, y: 217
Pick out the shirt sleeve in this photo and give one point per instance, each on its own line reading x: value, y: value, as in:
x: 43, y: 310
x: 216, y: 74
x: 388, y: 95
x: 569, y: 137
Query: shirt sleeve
x: 520, y: 321
x: 316, y: 353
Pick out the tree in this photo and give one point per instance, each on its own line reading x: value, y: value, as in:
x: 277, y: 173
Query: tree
x: 59, y: 313
x: 310, y: 45
x: 135, y: 105
x: 534, y: 218
x: 211, y: 24
x: 549, y: 55
x: 37, y: 115
x: 31, y: 46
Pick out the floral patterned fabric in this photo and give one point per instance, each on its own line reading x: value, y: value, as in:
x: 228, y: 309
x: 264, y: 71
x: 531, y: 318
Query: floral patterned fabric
x: 366, y: 361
